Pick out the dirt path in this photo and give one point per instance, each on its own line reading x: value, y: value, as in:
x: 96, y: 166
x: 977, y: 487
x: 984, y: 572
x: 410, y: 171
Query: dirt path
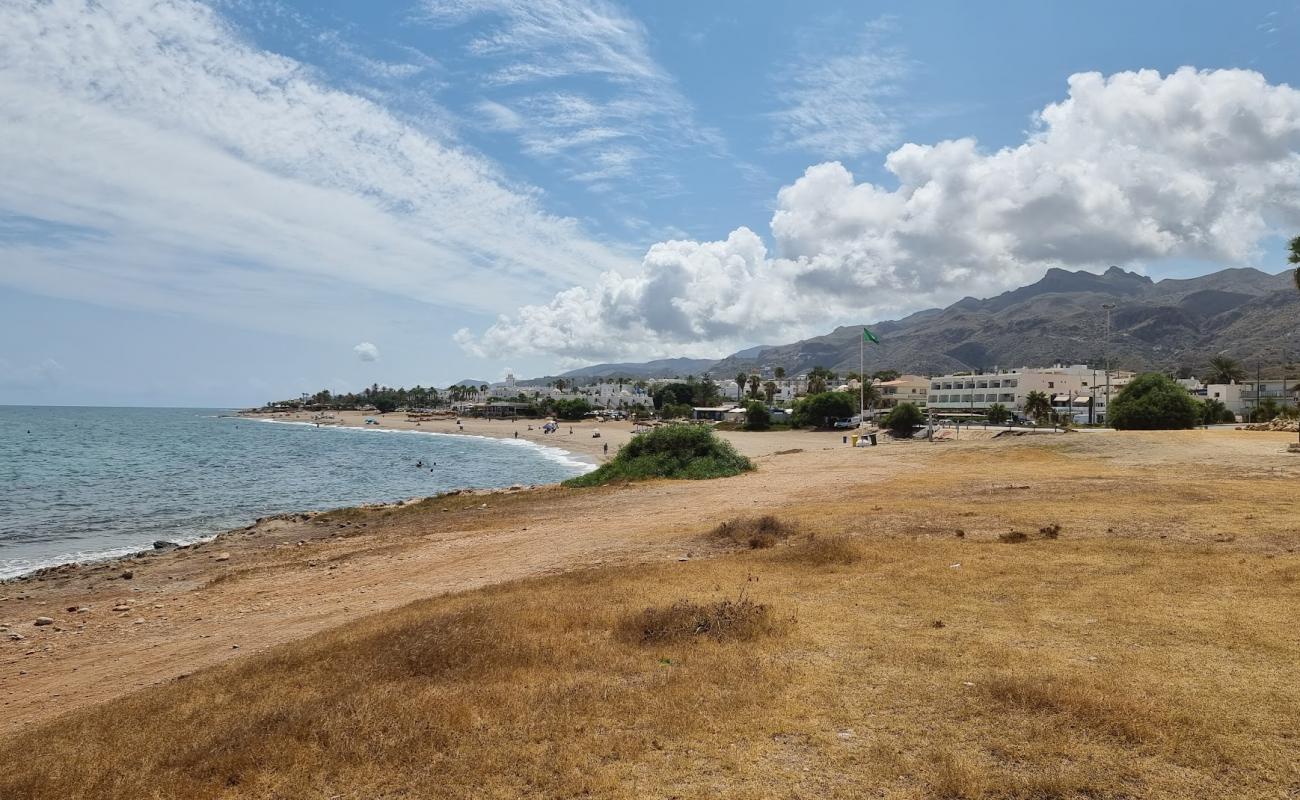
x: 286, y: 579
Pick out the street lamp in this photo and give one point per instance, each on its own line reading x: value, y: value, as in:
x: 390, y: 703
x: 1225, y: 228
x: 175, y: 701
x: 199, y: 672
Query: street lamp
x: 1106, y: 352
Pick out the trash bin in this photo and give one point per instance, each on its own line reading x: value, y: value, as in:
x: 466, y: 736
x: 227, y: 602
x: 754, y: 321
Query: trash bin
x: 854, y: 437
x: 872, y: 436
x: 846, y: 439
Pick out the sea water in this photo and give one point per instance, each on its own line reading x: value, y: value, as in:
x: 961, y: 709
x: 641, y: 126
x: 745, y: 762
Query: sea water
x: 83, y: 483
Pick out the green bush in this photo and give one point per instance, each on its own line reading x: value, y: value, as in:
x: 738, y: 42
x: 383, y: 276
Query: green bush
x: 1214, y: 411
x: 571, y: 409
x: 821, y: 410
x: 692, y: 452
x: 757, y: 417
x: 1153, y: 402
x: 677, y: 411
x: 998, y: 414
x: 903, y: 419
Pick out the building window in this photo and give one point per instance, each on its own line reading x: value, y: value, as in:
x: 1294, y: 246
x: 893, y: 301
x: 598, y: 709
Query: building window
x: 1051, y: 384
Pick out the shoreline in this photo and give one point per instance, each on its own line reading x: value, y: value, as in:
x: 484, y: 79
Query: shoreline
x: 117, y: 556
x: 576, y: 439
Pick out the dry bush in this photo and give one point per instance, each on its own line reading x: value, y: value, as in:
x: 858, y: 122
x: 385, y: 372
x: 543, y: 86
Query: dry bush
x: 1050, y: 531
x: 741, y: 619
x: 824, y: 551
x: 753, y: 532
x: 1013, y: 537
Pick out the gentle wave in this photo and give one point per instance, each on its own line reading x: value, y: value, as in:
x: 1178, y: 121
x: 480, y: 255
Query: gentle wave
x: 559, y: 456
x: 87, y: 484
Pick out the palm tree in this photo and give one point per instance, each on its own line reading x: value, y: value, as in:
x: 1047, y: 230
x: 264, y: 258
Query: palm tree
x: 740, y: 384
x: 818, y: 379
x: 753, y: 386
x: 769, y: 389
x: 1225, y: 370
x: 1294, y: 258
x: 1037, y: 405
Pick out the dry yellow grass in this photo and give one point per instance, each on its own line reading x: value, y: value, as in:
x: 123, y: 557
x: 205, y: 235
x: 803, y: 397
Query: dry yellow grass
x: 1061, y: 669
x: 1146, y: 648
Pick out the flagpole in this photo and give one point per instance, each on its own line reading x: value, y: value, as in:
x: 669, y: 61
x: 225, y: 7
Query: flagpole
x: 862, y: 381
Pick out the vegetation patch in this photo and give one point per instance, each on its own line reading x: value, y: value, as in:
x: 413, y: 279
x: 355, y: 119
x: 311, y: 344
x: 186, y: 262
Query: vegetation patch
x: 691, y: 452
x: 724, y: 620
x: 1107, y: 709
x: 1154, y: 402
x: 825, y: 551
x: 1013, y: 537
x: 755, y: 532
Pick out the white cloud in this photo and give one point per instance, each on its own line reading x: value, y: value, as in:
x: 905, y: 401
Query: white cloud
x: 1131, y: 168
x: 838, y: 103
x: 186, y: 170
x: 366, y: 351
x: 627, y: 118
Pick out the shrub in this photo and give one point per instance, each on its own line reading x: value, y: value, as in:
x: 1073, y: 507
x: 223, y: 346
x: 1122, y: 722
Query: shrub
x: 824, y: 551
x: 1213, y: 411
x: 757, y: 417
x: 676, y: 411
x: 1153, y: 402
x: 903, y: 419
x: 755, y: 532
x: 691, y: 452
x: 1013, y: 537
x: 571, y: 409
x: 1265, y: 410
x: 820, y: 410
x: 723, y: 620
x: 998, y: 414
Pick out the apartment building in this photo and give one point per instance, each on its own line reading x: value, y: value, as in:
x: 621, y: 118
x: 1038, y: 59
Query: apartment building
x: 1072, y: 389
x: 914, y: 389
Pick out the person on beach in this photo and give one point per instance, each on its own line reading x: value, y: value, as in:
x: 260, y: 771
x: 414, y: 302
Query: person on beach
x: 606, y: 448
x: 516, y: 434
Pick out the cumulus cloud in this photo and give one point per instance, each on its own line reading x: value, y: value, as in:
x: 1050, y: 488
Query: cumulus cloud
x: 1134, y: 167
x: 366, y: 351
x: 184, y: 169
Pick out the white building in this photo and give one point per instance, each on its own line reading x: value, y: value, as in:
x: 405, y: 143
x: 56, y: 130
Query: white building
x: 912, y: 389
x: 1071, y: 389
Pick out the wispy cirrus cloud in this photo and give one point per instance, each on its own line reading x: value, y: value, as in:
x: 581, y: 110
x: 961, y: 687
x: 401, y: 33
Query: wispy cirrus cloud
x: 185, y: 169
x: 576, y: 82
x: 840, y: 101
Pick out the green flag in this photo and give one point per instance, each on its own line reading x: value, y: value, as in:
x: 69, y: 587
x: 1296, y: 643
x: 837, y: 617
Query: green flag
x: 868, y: 336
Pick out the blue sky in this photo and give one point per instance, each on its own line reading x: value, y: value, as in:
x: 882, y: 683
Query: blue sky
x: 219, y: 204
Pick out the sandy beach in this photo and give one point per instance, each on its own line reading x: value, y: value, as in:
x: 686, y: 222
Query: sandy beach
x: 574, y: 437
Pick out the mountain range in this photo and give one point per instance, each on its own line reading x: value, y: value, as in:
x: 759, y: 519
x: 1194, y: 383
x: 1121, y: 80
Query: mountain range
x: 1169, y: 324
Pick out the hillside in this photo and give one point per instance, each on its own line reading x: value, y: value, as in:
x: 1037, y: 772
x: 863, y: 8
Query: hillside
x: 1244, y: 313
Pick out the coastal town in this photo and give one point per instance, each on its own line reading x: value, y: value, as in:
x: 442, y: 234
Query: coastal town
x: 1076, y: 395
x: 628, y: 400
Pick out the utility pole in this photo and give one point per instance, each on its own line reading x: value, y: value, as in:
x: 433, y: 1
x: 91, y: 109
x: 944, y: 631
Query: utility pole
x: 1108, y: 307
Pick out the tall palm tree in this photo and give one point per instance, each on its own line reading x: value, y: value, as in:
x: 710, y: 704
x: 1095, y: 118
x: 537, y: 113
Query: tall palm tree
x: 753, y: 386
x: 1294, y: 258
x: 1225, y: 370
x: 1037, y: 405
x: 740, y: 384
x: 769, y: 389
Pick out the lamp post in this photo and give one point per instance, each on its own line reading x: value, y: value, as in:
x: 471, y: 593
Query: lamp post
x: 1106, y: 355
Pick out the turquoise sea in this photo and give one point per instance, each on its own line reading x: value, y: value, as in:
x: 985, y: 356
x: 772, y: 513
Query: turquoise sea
x: 84, y: 483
